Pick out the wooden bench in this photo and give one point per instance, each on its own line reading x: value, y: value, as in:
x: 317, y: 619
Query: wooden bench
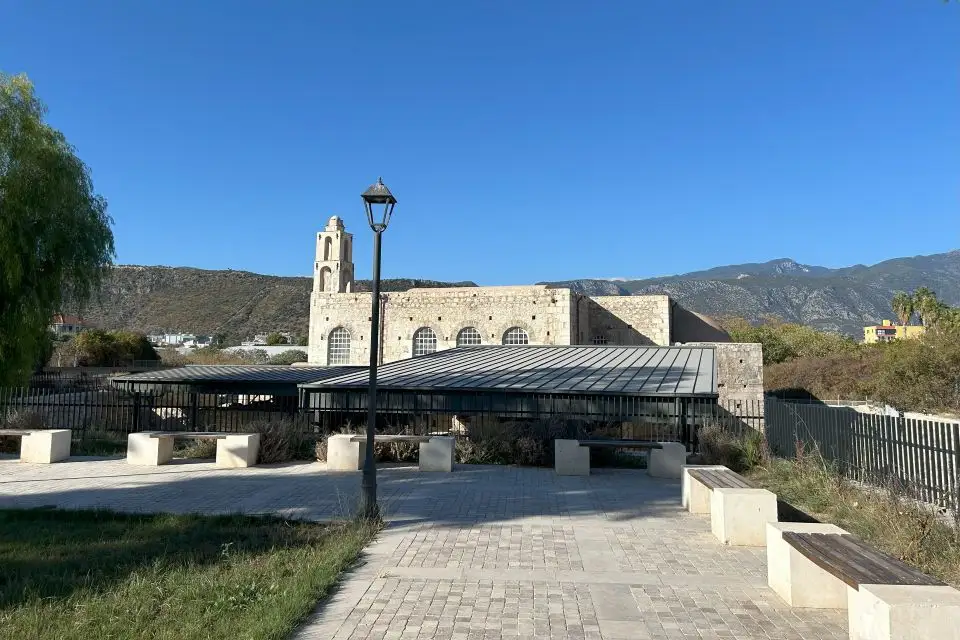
x: 739, y: 511
x: 347, y: 451
x: 42, y: 446
x: 572, y: 457
x: 816, y: 565
x: 153, y: 448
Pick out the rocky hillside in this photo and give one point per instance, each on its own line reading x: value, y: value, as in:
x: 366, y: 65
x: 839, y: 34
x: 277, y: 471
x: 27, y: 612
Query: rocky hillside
x: 836, y: 299
x: 236, y: 303
x: 239, y: 303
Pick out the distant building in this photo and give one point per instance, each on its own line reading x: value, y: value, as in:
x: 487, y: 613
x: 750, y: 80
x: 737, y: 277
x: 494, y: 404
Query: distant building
x: 887, y: 331
x: 63, y: 325
x: 179, y: 340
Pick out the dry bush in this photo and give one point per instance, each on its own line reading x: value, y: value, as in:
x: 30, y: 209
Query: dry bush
x: 197, y: 448
x: 883, y: 517
x: 22, y: 420
x: 18, y: 420
x: 738, y: 450
x: 281, y: 440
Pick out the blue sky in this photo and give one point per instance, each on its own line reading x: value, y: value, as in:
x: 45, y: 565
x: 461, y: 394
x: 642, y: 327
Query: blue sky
x: 524, y: 141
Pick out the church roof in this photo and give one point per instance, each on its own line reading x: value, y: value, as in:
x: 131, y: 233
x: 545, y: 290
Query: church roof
x: 533, y: 369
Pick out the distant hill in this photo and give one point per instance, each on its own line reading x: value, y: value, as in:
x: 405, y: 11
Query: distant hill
x: 842, y: 299
x: 240, y: 304
x: 236, y: 303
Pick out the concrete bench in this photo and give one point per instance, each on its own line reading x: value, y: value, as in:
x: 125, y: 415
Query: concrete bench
x: 822, y: 566
x: 346, y: 451
x: 572, y: 457
x: 43, y: 446
x: 739, y: 512
x: 153, y: 448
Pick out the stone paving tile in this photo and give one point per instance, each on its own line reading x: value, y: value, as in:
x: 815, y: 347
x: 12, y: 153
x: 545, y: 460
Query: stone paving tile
x: 485, y: 552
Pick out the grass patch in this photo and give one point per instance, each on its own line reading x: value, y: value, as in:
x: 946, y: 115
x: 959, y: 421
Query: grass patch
x: 899, y: 527
x: 97, y: 574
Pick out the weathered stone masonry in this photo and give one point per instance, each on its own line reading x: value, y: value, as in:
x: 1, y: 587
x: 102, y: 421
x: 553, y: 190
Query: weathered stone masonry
x: 544, y: 315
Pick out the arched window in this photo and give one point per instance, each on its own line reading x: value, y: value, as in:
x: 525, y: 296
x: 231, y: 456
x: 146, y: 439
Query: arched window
x: 325, y: 278
x: 467, y: 336
x: 516, y: 335
x: 338, y: 346
x: 424, y: 342
x: 327, y: 247
x: 600, y: 340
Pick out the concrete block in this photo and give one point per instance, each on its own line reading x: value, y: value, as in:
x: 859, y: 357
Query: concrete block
x: 740, y: 516
x: 667, y: 462
x: 570, y: 459
x: 343, y: 455
x: 44, y: 447
x: 694, y: 495
x: 144, y: 449
x: 898, y: 612
x: 239, y: 451
x: 437, y: 455
x: 794, y: 577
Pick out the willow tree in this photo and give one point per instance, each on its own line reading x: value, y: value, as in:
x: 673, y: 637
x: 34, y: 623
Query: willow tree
x: 55, y: 237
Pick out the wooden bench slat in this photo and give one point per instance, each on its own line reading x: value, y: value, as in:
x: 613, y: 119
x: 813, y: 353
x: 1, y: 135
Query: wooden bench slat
x: 854, y: 562
x: 14, y: 432
x: 889, y: 564
x: 392, y: 438
x: 624, y: 444
x: 720, y: 478
x: 215, y: 435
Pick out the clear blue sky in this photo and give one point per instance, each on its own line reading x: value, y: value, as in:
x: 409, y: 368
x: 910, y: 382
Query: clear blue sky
x: 524, y: 140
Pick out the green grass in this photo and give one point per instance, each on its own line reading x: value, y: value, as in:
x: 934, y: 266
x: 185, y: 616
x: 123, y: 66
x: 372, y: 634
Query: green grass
x: 95, y: 574
x: 883, y: 518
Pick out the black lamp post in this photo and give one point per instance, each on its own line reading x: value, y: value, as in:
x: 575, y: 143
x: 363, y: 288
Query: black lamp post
x: 377, y: 194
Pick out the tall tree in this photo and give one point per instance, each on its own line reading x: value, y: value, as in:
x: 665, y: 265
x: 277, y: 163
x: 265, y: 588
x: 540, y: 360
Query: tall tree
x: 927, y: 306
x: 902, y: 304
x: 55, y: 236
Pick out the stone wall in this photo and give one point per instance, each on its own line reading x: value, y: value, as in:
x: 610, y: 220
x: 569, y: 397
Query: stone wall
x: 543, y: 313
x: 629, y: 320
x: 739, y: 371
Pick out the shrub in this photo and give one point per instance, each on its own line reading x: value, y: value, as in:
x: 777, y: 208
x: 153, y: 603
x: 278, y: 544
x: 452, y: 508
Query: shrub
x: 280, y: 440
x: 198, y: 449
x: 98, y: 348
x: 739, y: 451
x: 288, y: 357
x: 22, y: 420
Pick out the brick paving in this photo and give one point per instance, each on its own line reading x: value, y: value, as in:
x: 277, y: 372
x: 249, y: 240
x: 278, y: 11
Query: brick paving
x: 485, y: 552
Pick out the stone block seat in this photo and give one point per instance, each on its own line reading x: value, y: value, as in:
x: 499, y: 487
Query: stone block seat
x: 346, y: 451
x: 817, y: 565
x: 739, y: 511
x: 42, y: 446
x: 153, y: 448
x: 572, y: 457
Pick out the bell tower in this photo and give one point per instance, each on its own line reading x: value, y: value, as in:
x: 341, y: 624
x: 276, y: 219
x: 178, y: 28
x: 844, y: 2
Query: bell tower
x: 333, y: 267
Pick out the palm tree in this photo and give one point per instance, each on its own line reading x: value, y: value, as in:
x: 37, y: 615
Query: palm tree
x: 903, y: 306
x: 926, y: 303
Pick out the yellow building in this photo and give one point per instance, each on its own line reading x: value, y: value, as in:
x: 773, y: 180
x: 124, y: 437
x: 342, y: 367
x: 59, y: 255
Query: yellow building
x: 888, y: 331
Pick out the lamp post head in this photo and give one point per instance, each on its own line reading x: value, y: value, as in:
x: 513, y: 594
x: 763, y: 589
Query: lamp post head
x: 378, y: 194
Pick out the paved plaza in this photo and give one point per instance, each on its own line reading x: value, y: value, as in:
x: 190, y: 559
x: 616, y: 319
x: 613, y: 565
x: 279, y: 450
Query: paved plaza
x: 485, y: 552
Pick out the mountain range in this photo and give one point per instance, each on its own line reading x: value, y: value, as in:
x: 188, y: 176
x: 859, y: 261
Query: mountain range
x: 842, y: 300
x: 239, y: 304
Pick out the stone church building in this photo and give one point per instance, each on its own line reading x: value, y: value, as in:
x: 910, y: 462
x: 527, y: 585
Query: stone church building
x: 421, y: 321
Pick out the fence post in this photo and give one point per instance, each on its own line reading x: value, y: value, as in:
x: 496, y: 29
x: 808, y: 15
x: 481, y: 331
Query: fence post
x: 136, y: 411
x: 194, y: 409
x: 955, y: 497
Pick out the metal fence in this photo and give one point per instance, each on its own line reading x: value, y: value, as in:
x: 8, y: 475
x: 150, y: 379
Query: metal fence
x: 101, y: 409
x: 919, y: 458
